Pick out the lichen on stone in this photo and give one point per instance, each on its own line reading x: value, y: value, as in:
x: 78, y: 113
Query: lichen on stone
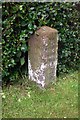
x: 38, y: 74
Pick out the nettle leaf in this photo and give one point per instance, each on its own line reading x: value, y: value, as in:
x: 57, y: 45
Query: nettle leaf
x: 22, y: 60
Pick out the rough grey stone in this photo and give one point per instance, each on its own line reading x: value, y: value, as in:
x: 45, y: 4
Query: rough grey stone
x: 42, y: 55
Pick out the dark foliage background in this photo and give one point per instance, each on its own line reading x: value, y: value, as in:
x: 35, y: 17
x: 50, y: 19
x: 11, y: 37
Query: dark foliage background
x: 19, y: 22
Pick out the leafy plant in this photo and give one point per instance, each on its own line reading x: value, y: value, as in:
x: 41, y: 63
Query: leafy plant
x: 20, y: 20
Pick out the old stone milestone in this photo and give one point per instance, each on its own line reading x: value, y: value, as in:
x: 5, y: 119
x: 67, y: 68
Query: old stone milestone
x: 42, y: 56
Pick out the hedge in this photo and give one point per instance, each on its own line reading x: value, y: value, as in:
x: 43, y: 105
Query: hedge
x: 19, y: 22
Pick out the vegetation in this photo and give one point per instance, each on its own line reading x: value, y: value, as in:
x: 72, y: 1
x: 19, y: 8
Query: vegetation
x: 24, y: 99
x: 20, y: 20
x: 59, y: 100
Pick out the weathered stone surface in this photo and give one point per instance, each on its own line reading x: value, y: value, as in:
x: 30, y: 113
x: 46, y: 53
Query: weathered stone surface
x: 42, y: 55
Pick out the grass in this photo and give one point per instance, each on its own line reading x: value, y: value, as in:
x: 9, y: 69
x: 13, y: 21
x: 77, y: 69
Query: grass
x: 59, y: 100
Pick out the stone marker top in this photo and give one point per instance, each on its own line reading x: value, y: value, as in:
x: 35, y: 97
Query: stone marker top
x: 46, y: 29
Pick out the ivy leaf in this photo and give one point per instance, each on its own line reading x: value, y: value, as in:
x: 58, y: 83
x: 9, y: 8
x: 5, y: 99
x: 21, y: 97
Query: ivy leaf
x: 22, y: 60
x: 19, y: 54
x: 20, y: 7
x: 30, y: 26
x: 24, y: 48
x: 12, y: 61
